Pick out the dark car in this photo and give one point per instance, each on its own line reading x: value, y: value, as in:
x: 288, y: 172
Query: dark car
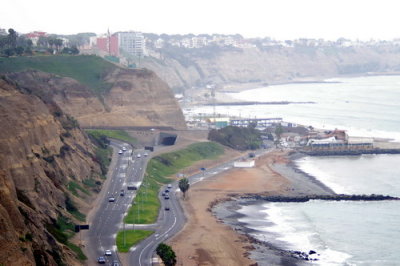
x: 122, y: 193
x: 101, y: 260
x: 163, y: 194
x: 115, y: 263
x: 167, y: 190
x: 166, y: 197
x: 166, y: 208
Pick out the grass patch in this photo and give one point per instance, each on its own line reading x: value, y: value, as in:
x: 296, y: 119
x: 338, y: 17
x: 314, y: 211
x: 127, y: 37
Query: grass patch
x: 74, y: 187
x: 78, y: 251
x: 115, y: 134
x: 132, y: 237
x: 63, y: 230
x: 147, y: 204
x: 87, y: 69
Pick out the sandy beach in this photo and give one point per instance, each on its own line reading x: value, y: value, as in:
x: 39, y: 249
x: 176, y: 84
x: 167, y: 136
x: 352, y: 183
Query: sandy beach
x: 207, y: 241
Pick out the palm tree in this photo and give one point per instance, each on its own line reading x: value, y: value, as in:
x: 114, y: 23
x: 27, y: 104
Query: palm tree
x: 184, y: 185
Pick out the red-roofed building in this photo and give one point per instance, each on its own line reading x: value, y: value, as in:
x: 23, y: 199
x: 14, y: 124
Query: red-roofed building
x: 34, y: 36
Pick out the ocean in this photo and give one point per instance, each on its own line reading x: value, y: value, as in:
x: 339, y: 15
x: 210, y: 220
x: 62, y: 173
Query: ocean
x: 342, y: 233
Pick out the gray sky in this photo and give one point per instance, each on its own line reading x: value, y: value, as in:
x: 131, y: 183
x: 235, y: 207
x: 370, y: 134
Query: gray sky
x: 279, y: 19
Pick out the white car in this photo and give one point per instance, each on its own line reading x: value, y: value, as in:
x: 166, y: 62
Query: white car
x: 120, y: 152
x: 108, y: 253
x: 138, y: 156
x: 111, y: 199
x: 123, y: 148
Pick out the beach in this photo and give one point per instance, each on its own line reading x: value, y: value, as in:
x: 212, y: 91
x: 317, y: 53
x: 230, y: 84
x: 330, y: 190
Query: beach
x: 205, y: 240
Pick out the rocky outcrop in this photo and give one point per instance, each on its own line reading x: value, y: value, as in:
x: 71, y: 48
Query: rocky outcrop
x: 137, y: 98
x: 42, y: 149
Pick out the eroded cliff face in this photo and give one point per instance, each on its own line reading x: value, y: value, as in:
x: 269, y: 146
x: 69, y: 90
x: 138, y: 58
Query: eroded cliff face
x: 41, y: 151
x: 137, y: 98
x: 184, y: 68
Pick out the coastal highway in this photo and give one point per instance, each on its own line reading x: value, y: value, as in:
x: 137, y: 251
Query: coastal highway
x: 107, y: 218
x: 172, y: 221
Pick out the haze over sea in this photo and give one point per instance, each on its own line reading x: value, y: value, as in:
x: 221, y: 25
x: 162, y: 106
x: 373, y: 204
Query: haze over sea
x: 343, y: 233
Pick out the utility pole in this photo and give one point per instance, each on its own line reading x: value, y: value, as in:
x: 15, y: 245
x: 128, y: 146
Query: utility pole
x: 124, y: 232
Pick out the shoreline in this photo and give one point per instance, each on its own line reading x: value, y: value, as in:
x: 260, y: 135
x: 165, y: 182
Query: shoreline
x: 226, y: 245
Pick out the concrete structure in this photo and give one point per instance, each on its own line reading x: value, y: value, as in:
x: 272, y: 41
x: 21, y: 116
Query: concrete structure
x: 259, y: 122
x: 244, y: 164
x: 132, y: 43
x: 108, y: 43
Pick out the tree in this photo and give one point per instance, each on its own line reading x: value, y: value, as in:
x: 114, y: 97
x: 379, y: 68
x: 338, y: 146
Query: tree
x: 12, y: 38
x: 19, y: 50
x: 166, y: 254
x: 278, y: 133
x: 184, y: 186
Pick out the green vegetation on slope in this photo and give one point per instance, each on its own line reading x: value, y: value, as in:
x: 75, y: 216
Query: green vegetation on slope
x: 239, y: 138
x: 89, y: 70
x: 63, y: 230
x: 115, y: 134
x: 159, y: 168
x: 132, y: 237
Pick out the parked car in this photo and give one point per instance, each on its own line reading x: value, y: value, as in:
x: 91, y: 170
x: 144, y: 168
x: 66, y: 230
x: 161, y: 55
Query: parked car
x: 101, y: 260
x: 111, y: 199
x: 108, y: 252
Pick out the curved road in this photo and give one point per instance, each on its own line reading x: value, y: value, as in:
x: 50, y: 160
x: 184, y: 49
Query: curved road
x: 107, y: 220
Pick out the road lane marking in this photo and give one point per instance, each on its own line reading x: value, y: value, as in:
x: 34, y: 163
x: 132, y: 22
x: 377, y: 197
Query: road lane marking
x: 141, y: 252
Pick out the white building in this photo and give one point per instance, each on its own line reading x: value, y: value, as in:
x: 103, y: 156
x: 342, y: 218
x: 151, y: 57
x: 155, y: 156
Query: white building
x: 132, y: 43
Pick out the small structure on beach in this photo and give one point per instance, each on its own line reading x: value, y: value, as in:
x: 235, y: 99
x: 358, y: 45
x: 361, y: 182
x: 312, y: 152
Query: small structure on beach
x: 244, y: 164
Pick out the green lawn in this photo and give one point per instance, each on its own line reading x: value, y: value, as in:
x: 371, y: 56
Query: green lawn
x: 115, y: 134
x: 132, y: 237
x: 146, y: 204
x: 89, y: 70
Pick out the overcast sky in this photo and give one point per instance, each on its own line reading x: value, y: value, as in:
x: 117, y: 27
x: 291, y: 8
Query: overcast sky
x: 279, y: 19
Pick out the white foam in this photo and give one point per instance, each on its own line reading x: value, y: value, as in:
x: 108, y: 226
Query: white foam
x: 308, y: 167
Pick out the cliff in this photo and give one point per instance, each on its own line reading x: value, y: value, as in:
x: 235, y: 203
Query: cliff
x: 184, y: 68
x: 98, y: 93
x: 42, y: 151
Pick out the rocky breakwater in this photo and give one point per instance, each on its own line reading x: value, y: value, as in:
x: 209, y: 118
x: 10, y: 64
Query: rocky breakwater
x: 136, y: 98
x: 42, y: 152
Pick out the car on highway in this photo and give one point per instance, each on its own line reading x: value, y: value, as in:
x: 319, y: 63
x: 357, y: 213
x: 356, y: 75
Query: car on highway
x: 166, y: 197
x: 122, y: 193
x: 123, y: 148
x: 163, y: 194
x: 101, y: 260
x: 166, y: 208
x: 169, y: 186
x: 167, y: 190
x: 138, y: 156
x: 145, y: 154
x: 120, y: 152
x: 108, y: 253
x: 111, y: 199
x: 115, y: 263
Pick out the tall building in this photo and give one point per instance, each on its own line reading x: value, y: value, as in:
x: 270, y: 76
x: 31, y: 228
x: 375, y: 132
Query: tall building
x: 132, y: 43
x: 108, y: 43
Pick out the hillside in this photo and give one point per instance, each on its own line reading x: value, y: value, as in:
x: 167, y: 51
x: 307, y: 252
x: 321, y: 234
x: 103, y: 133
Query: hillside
x: 184, y: 68
x: 98, y: 93
x: 44, y: 160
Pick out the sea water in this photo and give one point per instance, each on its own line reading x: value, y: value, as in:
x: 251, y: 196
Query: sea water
x: 342, y: 233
